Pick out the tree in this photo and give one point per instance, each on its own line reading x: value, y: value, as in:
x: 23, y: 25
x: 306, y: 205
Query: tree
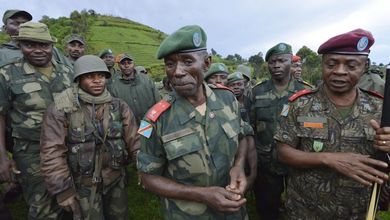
x: 257, y: 61
x: 311, y: 68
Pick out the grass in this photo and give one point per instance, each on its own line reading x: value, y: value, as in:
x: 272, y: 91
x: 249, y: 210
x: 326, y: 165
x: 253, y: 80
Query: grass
x: 144, y: 205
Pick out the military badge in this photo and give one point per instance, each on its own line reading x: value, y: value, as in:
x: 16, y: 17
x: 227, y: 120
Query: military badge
x: 285, y: 110
x: 221, y: 67
x: 317, y: 146
x: 197, y: 39
x: 282, y: 47
x: 362, y: 43
x: 145, y: 129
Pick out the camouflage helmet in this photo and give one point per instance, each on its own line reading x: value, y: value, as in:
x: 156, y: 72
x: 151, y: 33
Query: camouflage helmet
x: 89, y: 64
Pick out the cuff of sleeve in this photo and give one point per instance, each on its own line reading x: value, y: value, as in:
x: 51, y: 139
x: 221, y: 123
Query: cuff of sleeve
x: 62, y: 196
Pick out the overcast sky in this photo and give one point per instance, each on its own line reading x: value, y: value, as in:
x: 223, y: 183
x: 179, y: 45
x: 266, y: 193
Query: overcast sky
x: 245, y: 27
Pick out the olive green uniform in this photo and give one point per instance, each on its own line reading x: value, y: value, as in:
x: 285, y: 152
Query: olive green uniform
x: 372, y: 82
x: 25, y: 94
x: 139, y: 93
x: 314, y: 124
x: 267, y: 106
x: 192, y: 149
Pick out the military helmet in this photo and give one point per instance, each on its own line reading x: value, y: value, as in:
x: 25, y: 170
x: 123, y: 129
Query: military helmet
x: 89, y: 64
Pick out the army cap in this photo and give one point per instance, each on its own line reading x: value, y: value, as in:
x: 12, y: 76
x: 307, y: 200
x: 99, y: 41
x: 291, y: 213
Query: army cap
x: 76, y: 37
x: 216, y: 68
x: 187, y: 39
x: 280, y: 48
x: 245, y: 70
x: 104, y: 52
x: 13, y: 12
x: 34, y: 31
x: 295, y: 59
x: 356, y: 42
x: 235, y: 77
x: 123, y: 56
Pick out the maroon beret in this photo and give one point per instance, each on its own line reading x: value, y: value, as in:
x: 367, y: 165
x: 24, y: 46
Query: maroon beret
x: 356, y: 42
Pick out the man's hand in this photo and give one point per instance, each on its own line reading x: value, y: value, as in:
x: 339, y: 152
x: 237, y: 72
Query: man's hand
x: 71, y: 204
x: 222, y: 200
x: 238, y: 182
x: 382, y: 137
x: 7, y: 169
x: 357, y: 166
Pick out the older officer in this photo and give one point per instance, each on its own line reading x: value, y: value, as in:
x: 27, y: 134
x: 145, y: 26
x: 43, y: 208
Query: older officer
x: 192, y: 149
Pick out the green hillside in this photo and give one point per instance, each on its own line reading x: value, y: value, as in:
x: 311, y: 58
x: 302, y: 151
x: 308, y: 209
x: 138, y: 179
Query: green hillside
x: 101, y: 31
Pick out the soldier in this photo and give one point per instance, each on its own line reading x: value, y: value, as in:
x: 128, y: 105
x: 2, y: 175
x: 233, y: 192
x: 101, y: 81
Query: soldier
x: 12, y: 20
x: 87, y: 139
x: 75, y: 47
x: 217, y: 74
x: 166, y: 87
x: 246, y: 72
x: 109, y: 59
x: 136, y: 89
x: 296, y: 70
x: 326, y: 138
x: 190, y: 149
x: 236, y: 82
x: 269, y: 102
x: 27, y: 87
x: 372, y: 80
x: 140, y: 69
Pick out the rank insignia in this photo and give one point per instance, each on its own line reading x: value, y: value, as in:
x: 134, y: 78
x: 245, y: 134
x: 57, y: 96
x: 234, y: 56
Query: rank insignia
x: 317, y: 146
x: 145, y: 129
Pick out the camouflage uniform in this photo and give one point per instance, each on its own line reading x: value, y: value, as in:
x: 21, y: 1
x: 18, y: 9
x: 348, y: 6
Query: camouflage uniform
x: 194, y: 150
x: 313, y: 124
x: 75, y: 135
x: 372, y: 81
x: 9, y: 51
x: 25, y: 94
x: 139, y: 93
x: 267, y: 105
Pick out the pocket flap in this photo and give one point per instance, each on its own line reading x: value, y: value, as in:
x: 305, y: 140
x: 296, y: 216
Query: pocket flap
x: 183, y: 145
x: 29, y: 87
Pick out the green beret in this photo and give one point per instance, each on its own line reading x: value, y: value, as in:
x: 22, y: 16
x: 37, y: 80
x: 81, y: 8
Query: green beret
x: 187, y: 39
x: 216, y: 68
x: 280, y: 48
x: 104, y: 52
x: 235, y: 77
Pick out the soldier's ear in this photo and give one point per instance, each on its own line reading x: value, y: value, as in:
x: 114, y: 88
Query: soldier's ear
x: 207, y: 62
x: 367, y: 65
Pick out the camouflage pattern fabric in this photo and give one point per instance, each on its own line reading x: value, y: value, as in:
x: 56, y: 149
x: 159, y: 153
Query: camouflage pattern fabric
x: 372, y: 82
x: 24, y: 96
x: 267, y: 105
x: 194, y: 150
x: 313, y: 124
x: 139, y: 93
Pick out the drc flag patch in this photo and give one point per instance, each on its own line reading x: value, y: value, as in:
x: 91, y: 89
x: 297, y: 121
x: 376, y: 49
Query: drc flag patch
x: 145, y: 129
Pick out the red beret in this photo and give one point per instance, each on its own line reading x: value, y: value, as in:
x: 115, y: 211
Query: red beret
x: 296, y: 58
x: 356, y: 42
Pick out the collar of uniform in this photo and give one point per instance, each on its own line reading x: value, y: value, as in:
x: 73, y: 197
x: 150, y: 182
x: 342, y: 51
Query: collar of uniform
x: 30, y: 69
x: 11, y: 45
x: 132, y: 81
x: 187, y: 111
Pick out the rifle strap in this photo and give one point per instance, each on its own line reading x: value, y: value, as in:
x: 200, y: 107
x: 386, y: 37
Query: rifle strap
x: 96, y: 179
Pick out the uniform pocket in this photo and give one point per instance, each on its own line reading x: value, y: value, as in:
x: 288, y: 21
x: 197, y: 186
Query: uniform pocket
x: 22, y: 88
x: 185, y: 144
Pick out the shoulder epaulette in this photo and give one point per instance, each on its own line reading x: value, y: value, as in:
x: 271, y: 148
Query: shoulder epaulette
x: 259, y: 83
x: 308, y: 84
x: 299, y: 94
x: 219, y: 86
x: 373, y: 93
x: 157, y: 109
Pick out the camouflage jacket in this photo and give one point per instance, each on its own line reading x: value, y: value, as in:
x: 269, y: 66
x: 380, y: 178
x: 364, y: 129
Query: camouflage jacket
x: 9, y: 51
x: 372, y: 82
x: 72, y: 134
x: 313, y: 124
x: 25, y: 94
x: 139, y: 93
x: 267, y: 106
x: 194, y: 150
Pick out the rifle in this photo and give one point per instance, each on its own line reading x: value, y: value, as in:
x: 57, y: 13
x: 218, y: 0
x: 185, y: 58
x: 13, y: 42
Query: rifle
x: 380, y: 155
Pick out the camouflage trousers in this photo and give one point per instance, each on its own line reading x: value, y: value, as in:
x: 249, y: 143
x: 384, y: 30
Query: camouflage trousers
x: 110, y: 201
x: 41, y: 205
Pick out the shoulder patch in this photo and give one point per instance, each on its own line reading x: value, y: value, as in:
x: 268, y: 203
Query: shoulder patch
x: 157, y: 109
x: 299, y: 94
x: 373, y: 93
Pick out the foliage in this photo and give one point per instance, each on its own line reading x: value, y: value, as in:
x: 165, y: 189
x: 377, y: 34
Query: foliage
x: 311, y: 68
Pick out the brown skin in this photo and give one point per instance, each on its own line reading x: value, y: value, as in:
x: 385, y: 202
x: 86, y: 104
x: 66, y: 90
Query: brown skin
x: 93, y: 83
x: 37, y: 53
x: 7, y: 166
x: 75, y: 50
x: 341, y: 73
x: 13, y: 23
x: 185, y: 72
x: 238, y: 88
x: 109, y: 60
x: 218, y: 78
x: 127, y: 68
x: 279, y: 68
x: 296, y: 69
